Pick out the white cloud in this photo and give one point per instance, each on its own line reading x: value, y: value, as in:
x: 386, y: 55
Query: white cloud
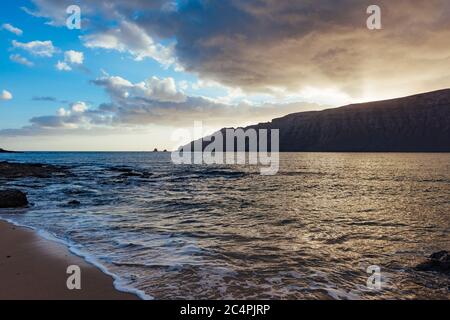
x: 71, y: 58
x: 6, y: 95
x: 103, y: 41
x: 11, y: 28
x: 73, y: 118
x: 63, y: 112
x: 62, y: 66
x: 152, y: 89
x: 79, y: 107
x: 22, y: 60
x: 74, y: 57
x: 75, y: 108
x: 37, y: 48
x: 131, y: 38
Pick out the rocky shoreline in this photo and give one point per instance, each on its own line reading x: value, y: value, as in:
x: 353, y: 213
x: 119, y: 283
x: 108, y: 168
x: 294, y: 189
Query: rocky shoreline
x: 13, y: 198
x: 30, y: 259
x: 10, y: 170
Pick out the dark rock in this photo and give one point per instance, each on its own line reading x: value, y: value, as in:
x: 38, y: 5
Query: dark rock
x: 21, y: 170
x: 12, y: 198
x: 7, y: 151
x: 442, y: 256
x: 438, y: 261
x: 74, y: 203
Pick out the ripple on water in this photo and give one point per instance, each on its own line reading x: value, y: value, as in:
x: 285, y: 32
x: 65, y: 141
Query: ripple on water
x: 309, y: 232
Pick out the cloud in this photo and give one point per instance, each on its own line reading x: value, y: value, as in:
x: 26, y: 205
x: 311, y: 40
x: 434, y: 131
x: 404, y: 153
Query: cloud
x: 71, y: 58
x: 269, y: 46
x: 74, y: 57
x: 79, y: 107
x: 212, y: 113
x: 11, y: 28
x: 62, y: 66
x: 6, y: 95
x: 22, y: 60
x: 129, y: 37
x: 152, y: 89
x: 36, y: 48
x: 151, y: 102
x: 52, y: 9
x: 294, y: 44
x: 279, y: 46
x: 49, y: 9
x: 71, y: 118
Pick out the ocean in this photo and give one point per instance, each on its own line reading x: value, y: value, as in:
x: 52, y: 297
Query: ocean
x: 226, y: 232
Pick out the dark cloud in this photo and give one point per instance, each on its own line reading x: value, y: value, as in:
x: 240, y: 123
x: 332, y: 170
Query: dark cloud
x: 259, y: 45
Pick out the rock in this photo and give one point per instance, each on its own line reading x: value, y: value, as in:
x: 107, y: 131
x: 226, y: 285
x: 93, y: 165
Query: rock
x: 11, y: 198
x: 438, y: 261
x: 74, y: 203
x: 442, y: 256
x: 7, y: 151
x: 21, y: 170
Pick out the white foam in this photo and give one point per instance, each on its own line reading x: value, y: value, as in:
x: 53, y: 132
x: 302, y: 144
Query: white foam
x: 338, y: 294
x: 118, y: 282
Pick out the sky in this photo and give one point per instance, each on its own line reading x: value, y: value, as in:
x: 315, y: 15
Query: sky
x: 136, y: 71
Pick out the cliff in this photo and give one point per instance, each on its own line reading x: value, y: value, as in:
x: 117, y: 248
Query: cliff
x: 419, y: 123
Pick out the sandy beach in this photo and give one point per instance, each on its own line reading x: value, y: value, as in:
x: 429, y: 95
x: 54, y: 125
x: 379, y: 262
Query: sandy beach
x: 33, y: 268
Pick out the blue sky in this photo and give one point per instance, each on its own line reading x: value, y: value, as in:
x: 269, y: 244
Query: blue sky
x: 44, y: 80
x: 139, y: 70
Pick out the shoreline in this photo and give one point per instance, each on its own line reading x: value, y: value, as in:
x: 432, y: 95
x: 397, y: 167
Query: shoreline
x: 34, y: 268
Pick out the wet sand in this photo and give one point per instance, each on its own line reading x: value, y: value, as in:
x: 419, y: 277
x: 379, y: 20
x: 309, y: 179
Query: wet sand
x: 33, y: 268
